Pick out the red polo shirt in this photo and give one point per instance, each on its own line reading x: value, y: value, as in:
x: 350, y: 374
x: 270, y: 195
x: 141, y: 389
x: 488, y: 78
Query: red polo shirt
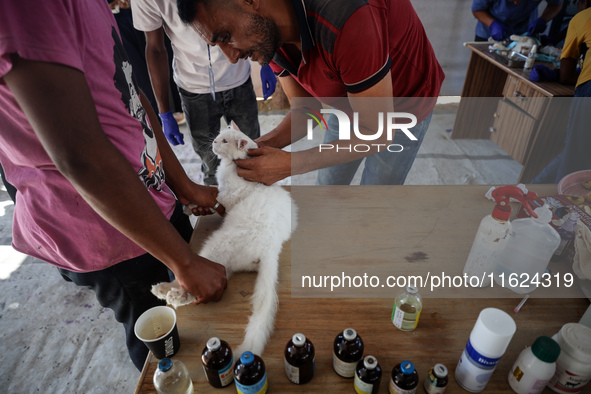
x: 349, y: 46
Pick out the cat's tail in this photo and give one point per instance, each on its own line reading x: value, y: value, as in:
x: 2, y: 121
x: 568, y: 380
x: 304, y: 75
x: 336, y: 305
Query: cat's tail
x: 264, y: 302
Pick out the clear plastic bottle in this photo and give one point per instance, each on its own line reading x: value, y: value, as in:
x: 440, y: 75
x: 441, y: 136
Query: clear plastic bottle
x: 218, y: 363
x: 172, y: 377
x: 347, y: 351
x: 368, y: 375
x: 407, y: 309
x: 527, y: 253
x: 299, y: 357
x: 534, y: 366
x: 531, y: 58
x: 567, y: 234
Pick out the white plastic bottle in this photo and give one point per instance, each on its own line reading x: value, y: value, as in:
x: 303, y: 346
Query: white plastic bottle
x: 573, y: 367
x: 488, y: 341
x: 528, y: 251
x: 534, y: 366
x: 492, y: 236
x: 172, y: 377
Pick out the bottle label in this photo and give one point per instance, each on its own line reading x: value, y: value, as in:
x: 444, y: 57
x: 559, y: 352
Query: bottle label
x: 257, y: 388
x: 431, y: 385
x: 226, y: 374
x: 361, y: 387
x: 474, y: 370
x: 394, y: 389
x: 346, y: 370
x: 293, y: 373
x: 565, y: 381
x: 404, y: 320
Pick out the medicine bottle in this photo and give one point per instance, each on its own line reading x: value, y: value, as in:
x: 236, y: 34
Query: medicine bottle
x: 573, y: 367
x: 407, y: 309
x: 567, y: 235
x: 534, y: 366
x: 218, y: 363
x: 368, y: 375
x: 437, y: 379
x: 172, y: 377
x: 531, y: 58
x: 348, y: 350
x: 250, y: 374
x: 299, y: 359
x: 404, y: 379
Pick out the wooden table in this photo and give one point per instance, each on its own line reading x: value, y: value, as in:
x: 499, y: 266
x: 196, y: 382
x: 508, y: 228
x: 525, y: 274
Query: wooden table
x: 529, y: 122
x: 444, y: 325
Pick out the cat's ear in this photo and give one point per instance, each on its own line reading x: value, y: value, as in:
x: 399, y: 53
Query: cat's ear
x: 242, y: 144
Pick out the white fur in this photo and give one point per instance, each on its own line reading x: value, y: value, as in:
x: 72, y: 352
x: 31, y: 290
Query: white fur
x: 259, y: 219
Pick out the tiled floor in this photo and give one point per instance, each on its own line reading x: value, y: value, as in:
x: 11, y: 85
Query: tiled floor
x: 57, y: 339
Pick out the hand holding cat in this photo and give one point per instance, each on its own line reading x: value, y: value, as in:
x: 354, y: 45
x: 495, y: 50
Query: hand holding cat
x: 202, y: 199
x: 266, y: 165
x: 204, y: 279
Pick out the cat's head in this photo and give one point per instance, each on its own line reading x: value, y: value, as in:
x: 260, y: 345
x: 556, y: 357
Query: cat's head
x: 232, y: 144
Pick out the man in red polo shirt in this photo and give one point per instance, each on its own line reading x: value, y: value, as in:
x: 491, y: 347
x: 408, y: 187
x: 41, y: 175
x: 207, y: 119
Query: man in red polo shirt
x: 329, y: 49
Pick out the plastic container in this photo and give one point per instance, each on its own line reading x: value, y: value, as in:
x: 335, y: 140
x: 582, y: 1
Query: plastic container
x: 528, y: 251
x: 172, y: 377
x: 368, y: 375
x: 492, y: 235
x: 218, y: 362
x: 488, y: 341
x: 404, y: 379
x: 573, y: 367
x: 299, y: 358
x: 437, y: 380
x: 534, y: 366
x: 348, y: 350
x: 567, y: 235
x: 531, y: 58
x: 250, y: 374
x: 407, y: 309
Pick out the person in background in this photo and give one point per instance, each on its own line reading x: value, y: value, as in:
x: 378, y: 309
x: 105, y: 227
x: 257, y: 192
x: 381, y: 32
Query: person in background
x: 500, y: 19
x: 89, y: 160
x: 352, y: 50
x: 575, y: 155
x: 209, y: 85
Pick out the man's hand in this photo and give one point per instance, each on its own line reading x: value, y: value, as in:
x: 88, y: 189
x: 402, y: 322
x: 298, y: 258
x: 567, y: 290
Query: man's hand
x: 538, y: 26
x: 171, y: 129
x: 269, y: 81
x: 498, y: 31
x: 267, y: 165
x: 204, y: 279
x: 204, y: 197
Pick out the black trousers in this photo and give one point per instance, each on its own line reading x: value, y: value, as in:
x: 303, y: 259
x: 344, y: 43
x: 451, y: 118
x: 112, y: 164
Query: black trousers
x: 125, y: 287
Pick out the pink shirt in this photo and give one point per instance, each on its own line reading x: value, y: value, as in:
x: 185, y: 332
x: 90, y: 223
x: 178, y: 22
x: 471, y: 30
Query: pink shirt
x: 51, y: 220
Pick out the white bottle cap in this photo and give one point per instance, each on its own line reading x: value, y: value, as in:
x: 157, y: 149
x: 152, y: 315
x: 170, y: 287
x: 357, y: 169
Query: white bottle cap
x: 370, y: 362
x: 575, y: 339
x: 298, y: 339
x: 492, y: 332
x: 213, y: 344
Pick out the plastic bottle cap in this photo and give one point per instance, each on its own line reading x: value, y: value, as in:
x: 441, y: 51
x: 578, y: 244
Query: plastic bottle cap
x: 247, y: 358
x: 575, y: 339
x: 349, y: 334
x: 370, y: 362
x: 544, y: 214
x: 546, y: 349
x: 299, y: 339
x: 412, y: 289
x: 213, y: 344
x: 165, y: 364
x: 492, y: 332
x: 407, y: 367
x: 440, y: 370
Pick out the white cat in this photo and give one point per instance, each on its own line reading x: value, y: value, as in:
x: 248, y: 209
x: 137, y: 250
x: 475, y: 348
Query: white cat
x: 258, y: 220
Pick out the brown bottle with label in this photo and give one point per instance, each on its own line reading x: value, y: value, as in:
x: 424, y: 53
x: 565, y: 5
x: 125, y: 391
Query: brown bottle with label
x: 217, y: 362
x: 299, y: 359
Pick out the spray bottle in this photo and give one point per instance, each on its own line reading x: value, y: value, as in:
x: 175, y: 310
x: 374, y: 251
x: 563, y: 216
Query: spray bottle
x: 492, y: 235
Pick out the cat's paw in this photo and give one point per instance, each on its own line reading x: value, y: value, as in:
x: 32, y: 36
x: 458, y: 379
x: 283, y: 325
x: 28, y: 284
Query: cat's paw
x: 179, y: 297
x: 160, y: 290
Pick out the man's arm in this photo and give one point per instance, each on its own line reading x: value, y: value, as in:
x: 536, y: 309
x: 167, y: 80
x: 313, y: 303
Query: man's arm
x: 157, y: 60
x: 484, y: 17
x: 551, y: 11
x: 60, y: 108
x: 568, y: 71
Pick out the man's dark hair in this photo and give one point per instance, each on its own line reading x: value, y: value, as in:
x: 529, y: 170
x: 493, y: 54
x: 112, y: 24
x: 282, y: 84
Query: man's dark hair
x: 188, y: 9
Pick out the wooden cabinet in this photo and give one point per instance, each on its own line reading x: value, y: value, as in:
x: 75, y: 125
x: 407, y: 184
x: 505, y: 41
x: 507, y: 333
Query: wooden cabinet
x: 527, y: 120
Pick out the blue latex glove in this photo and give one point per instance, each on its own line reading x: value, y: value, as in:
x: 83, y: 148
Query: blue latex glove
x: 269, y: 81
x: 498, y: 31
x: 543, y: 73
x: 538, y: 26
x: 171, y: 128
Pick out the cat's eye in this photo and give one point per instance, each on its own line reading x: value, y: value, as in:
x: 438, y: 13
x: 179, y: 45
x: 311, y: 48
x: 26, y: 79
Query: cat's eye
x: 224, y: 141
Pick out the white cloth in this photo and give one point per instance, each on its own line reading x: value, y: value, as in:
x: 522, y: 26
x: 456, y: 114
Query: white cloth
x: 582, y: 259
x: 190, y: 63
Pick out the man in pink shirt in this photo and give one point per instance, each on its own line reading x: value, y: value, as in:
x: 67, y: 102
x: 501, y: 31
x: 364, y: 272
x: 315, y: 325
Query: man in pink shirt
x: 89, y: 162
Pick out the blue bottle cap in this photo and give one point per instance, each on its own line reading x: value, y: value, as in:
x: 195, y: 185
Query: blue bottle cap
x: 407, y: 367
x: 165, y: 364
x: 247, y: 358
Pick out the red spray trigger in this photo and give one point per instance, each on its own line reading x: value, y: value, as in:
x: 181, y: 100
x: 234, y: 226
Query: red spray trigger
x: 502, y: 210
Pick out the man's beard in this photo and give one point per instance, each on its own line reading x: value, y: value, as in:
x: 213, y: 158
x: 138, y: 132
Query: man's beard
x: 268, y: 35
